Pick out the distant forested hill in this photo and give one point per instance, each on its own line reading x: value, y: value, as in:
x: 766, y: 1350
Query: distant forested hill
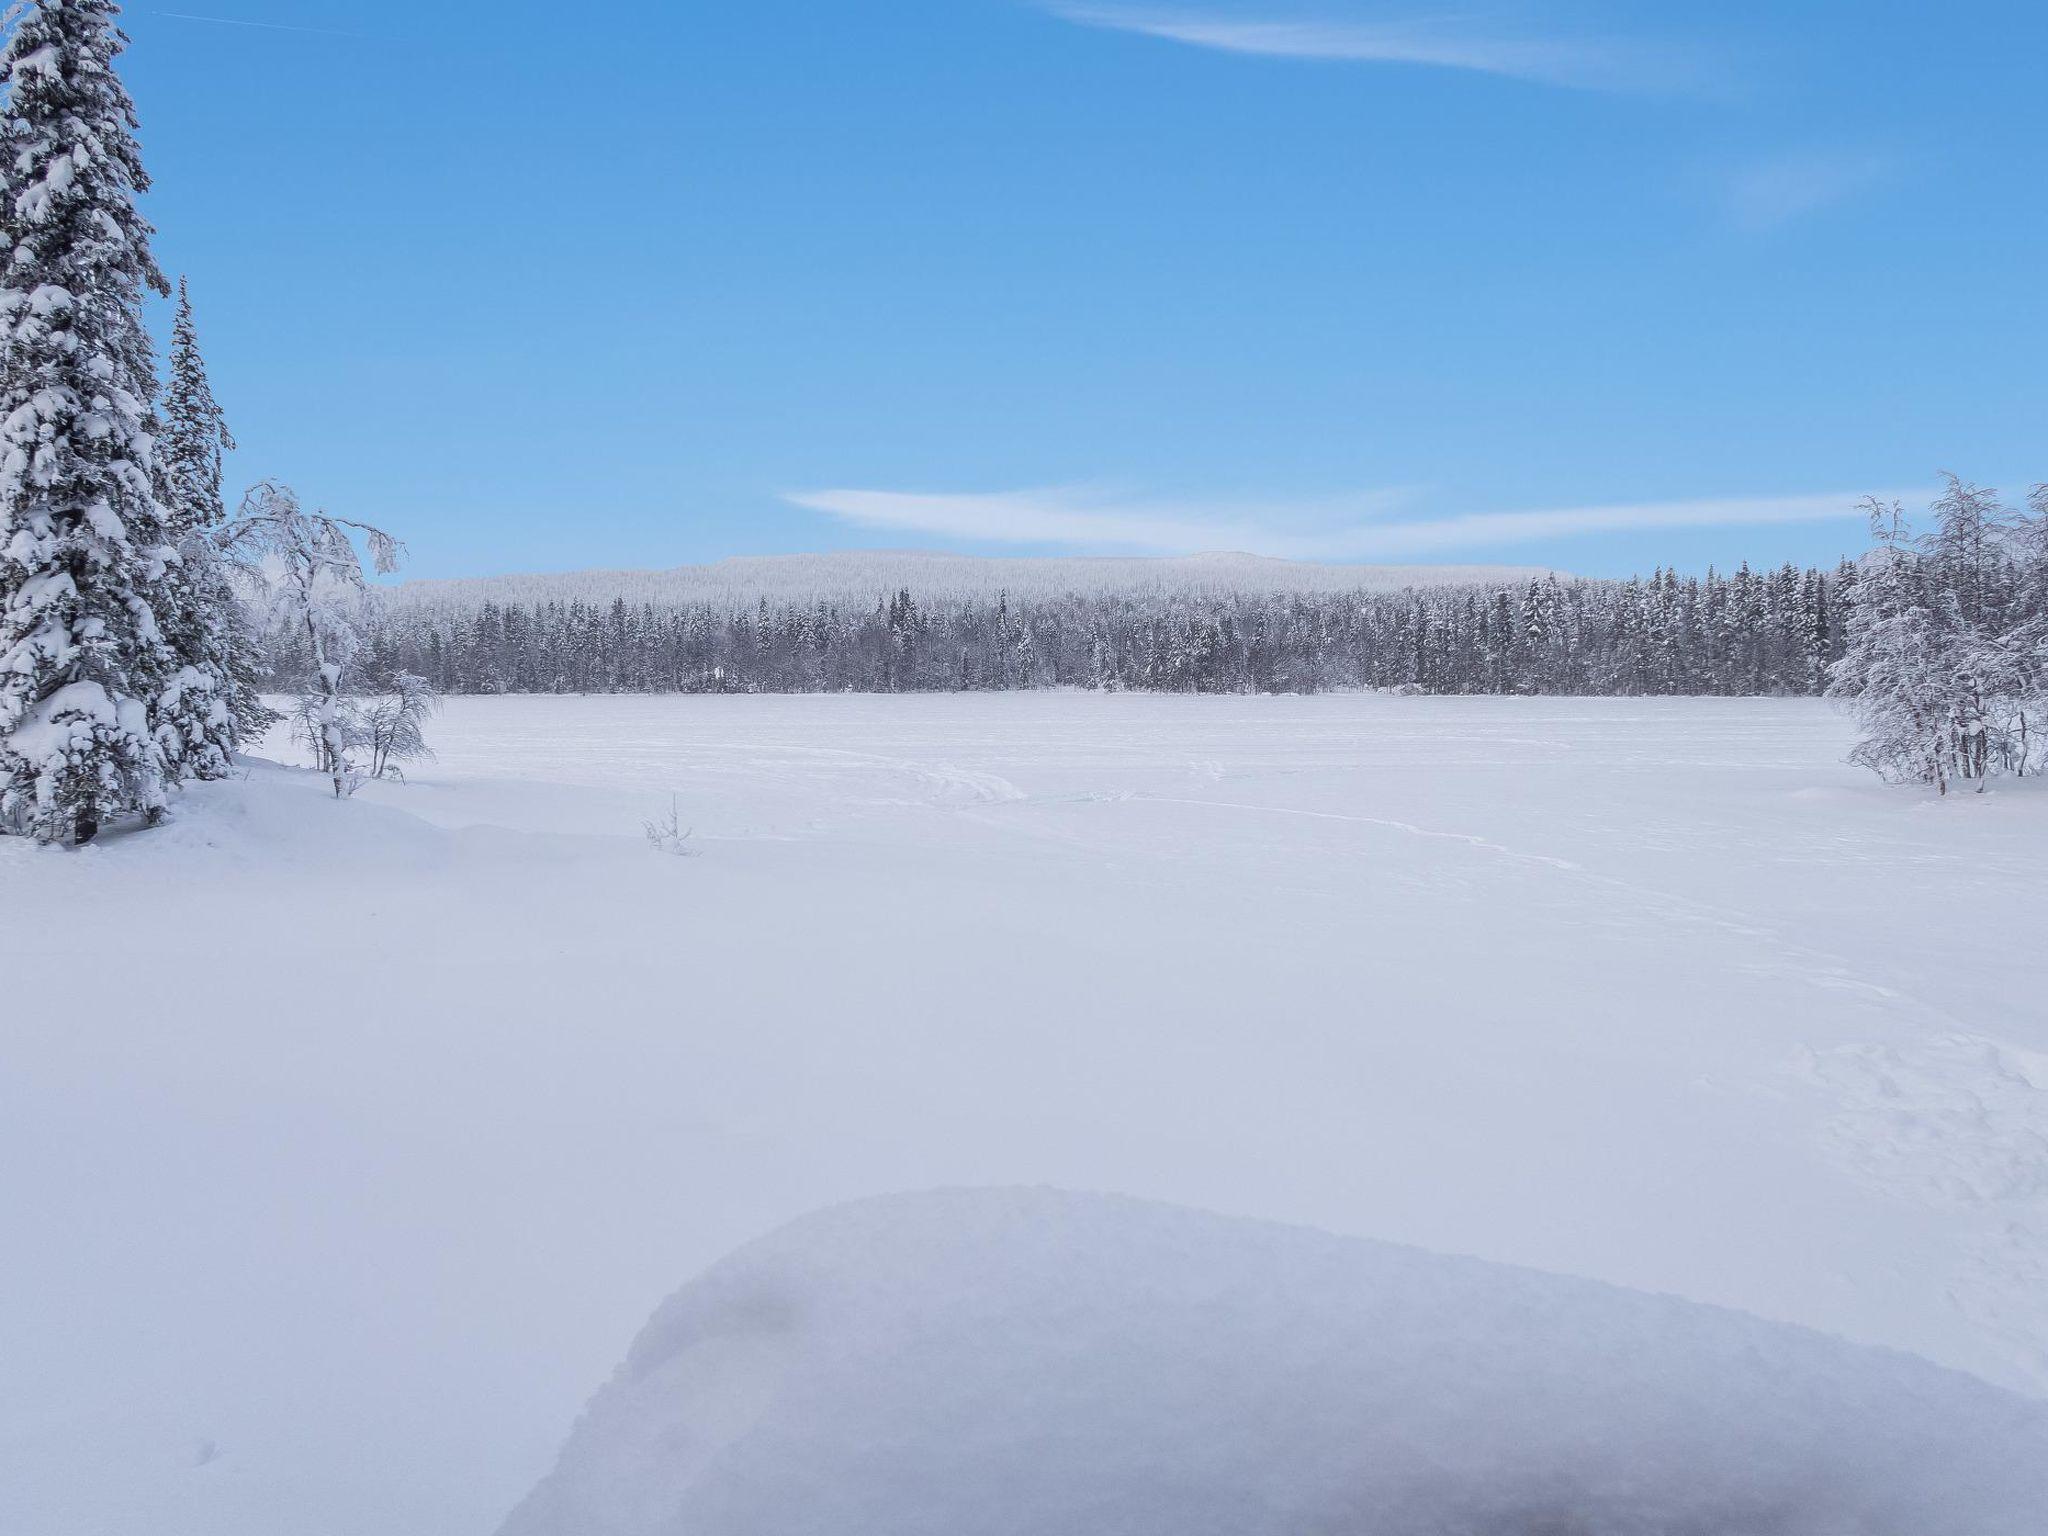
x: 1226, y: 624
x: 873, y: 575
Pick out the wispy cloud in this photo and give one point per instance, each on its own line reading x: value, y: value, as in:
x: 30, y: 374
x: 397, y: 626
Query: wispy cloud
x: 1445, y: 42
x: 267, y: 26
x: 1377, y: 526
x: 1093, y: 519
x: 1785, y: 187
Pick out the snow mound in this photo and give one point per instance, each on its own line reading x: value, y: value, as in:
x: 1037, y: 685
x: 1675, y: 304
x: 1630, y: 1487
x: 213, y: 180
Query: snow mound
x: 1036, y: 1363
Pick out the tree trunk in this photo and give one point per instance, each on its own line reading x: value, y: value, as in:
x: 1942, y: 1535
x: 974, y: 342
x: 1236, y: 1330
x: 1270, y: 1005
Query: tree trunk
x: 332, y: 762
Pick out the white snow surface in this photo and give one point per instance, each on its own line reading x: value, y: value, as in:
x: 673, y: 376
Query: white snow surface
x: 1032, y: 1363
x: 869, y: 575
x: 1658, y: 993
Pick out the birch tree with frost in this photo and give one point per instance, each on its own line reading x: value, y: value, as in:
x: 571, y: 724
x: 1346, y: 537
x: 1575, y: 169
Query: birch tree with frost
x: 310, y: 571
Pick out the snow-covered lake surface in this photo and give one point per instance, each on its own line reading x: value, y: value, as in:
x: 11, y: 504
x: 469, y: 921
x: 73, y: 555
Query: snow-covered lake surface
x: 1658, y: 993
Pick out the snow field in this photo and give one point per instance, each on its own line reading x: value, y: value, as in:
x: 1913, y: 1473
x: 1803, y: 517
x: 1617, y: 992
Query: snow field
x: 1653, y: 992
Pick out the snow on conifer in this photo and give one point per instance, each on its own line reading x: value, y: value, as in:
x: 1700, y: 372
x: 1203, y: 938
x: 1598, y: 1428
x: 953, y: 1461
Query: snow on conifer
x: 82, y: 538
x: 1946, y: 665
x: 211, y: 703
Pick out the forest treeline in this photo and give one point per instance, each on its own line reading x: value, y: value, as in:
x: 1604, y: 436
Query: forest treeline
x: 1742, y: 633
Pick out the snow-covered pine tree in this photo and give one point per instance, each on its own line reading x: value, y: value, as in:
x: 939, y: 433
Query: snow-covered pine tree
x: 211, y: 703
x: 82, y: 540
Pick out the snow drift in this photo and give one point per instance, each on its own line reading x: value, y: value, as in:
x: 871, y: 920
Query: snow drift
x: 1044, y: 1364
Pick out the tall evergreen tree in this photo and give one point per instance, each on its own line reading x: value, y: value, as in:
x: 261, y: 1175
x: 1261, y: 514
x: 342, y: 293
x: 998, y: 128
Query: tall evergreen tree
x: 82, y: 538
x: 212, y: 703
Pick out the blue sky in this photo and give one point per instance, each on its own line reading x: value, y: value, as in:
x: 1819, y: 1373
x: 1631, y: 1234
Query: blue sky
x: 1592, y: 285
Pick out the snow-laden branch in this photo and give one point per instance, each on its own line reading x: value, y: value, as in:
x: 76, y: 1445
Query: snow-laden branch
x: 309, y: 571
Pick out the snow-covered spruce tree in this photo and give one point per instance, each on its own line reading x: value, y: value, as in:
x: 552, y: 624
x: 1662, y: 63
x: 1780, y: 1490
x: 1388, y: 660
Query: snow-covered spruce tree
x: 82, y: 539
x: 309, y: 568
x: 212, y: 703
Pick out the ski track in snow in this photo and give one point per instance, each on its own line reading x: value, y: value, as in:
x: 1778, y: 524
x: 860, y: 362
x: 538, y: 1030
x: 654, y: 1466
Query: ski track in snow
x: 1950, y: 1118
x: 1470, y: 839
x: 1935, y: 1115
x: 1940, y: 1117
x: 947, y: 783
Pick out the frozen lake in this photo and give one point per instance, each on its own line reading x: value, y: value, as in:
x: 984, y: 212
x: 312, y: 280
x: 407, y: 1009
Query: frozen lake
x: 1658, y: 992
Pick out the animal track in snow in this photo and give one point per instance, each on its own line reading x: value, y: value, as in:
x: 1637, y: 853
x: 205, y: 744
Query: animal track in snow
x: 1958, y: 1122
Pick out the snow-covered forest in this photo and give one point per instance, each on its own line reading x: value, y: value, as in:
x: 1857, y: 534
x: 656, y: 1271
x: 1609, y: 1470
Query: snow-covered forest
x: 1939, y: 640
x: 1745, y: 633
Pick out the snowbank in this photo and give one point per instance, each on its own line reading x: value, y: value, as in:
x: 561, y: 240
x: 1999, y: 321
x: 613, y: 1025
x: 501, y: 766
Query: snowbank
x: 1032, y: 1362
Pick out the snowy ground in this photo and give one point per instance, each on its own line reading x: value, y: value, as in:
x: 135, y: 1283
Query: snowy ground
x: 1657, y: 993
x: 1038, y: 1363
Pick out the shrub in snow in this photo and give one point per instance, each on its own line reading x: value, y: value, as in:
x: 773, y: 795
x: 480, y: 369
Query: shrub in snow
x: 1033, y: 1363
x: 373, y: 731
x: 668, y: 833
x: 84, y: 546
x: 388, y: 720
